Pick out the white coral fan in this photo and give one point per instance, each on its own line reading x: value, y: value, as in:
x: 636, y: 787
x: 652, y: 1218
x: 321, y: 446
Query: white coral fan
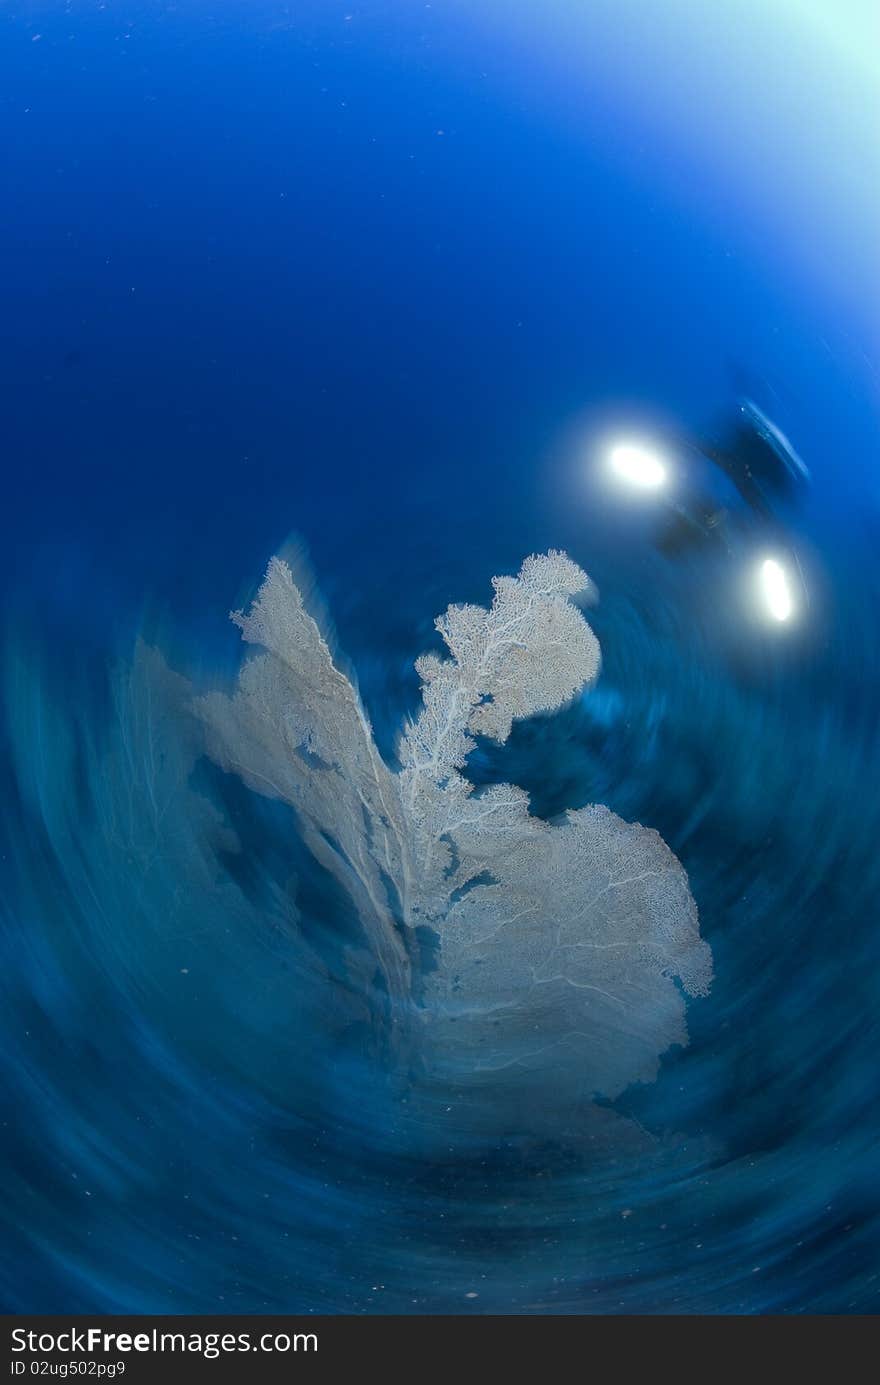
x: 563, y: 949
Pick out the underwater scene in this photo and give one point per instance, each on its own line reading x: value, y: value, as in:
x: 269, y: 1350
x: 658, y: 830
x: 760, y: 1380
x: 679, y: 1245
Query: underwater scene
x: 440, y: 751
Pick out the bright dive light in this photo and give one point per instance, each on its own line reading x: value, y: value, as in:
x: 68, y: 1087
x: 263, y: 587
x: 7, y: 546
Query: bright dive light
x: 638, y: 466
x: 775, y: 590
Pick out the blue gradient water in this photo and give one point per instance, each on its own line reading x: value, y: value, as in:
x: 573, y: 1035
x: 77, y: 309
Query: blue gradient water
x: 383, y: 275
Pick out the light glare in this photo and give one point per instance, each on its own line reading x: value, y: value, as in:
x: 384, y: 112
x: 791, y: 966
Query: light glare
x: 638, y: 466
x: 774, y: 586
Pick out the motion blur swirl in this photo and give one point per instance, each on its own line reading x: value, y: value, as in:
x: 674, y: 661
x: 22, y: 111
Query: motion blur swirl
x: 437, y: 287
x: 203, y: 1115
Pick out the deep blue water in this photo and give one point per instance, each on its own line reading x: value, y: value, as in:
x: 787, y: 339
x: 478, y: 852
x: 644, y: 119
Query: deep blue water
x: 384, y: 276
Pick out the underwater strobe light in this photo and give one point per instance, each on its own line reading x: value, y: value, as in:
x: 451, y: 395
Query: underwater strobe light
x: 638, y: 466
x: 775, y: 590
